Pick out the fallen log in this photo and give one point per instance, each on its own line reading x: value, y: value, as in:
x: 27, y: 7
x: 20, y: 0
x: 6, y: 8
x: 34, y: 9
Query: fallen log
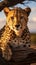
x: 20, y: 56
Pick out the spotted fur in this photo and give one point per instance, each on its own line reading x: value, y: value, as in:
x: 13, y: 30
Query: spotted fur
x: 15, y: 33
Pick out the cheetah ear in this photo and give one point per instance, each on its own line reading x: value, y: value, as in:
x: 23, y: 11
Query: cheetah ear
x: 6, y: 10
x: 27, y: 10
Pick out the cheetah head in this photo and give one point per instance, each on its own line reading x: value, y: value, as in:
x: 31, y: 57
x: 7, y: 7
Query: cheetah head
x: 17, y: 19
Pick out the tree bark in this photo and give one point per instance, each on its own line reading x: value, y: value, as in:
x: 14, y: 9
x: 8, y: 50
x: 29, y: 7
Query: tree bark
x: 9, y: 3
x: 21, y: 56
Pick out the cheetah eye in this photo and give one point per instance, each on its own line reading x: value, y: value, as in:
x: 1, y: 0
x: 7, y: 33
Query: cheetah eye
x: 21, y: 17
x: 12, y: 18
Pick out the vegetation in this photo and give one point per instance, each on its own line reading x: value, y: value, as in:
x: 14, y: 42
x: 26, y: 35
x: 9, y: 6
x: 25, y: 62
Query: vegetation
x: 33, y: 38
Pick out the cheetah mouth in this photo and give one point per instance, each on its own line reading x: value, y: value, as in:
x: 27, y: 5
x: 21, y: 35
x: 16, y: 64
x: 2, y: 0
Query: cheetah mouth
x: 17, y: 29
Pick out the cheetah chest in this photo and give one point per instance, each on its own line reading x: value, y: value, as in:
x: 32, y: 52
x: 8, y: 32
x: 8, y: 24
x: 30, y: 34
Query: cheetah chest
x: 18, y: 41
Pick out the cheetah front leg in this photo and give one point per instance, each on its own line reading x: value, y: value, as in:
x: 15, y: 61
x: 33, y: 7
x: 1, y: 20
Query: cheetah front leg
x: 4, y: 45
x: 6, y: 51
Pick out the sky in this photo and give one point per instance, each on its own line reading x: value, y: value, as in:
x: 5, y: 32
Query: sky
x: 32, y: 17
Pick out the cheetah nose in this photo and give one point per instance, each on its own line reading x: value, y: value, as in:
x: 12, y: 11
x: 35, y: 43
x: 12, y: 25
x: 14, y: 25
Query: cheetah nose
x: 17, y: 26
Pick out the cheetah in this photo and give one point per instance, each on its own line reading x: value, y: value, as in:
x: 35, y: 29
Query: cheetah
x: 15, y: 33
